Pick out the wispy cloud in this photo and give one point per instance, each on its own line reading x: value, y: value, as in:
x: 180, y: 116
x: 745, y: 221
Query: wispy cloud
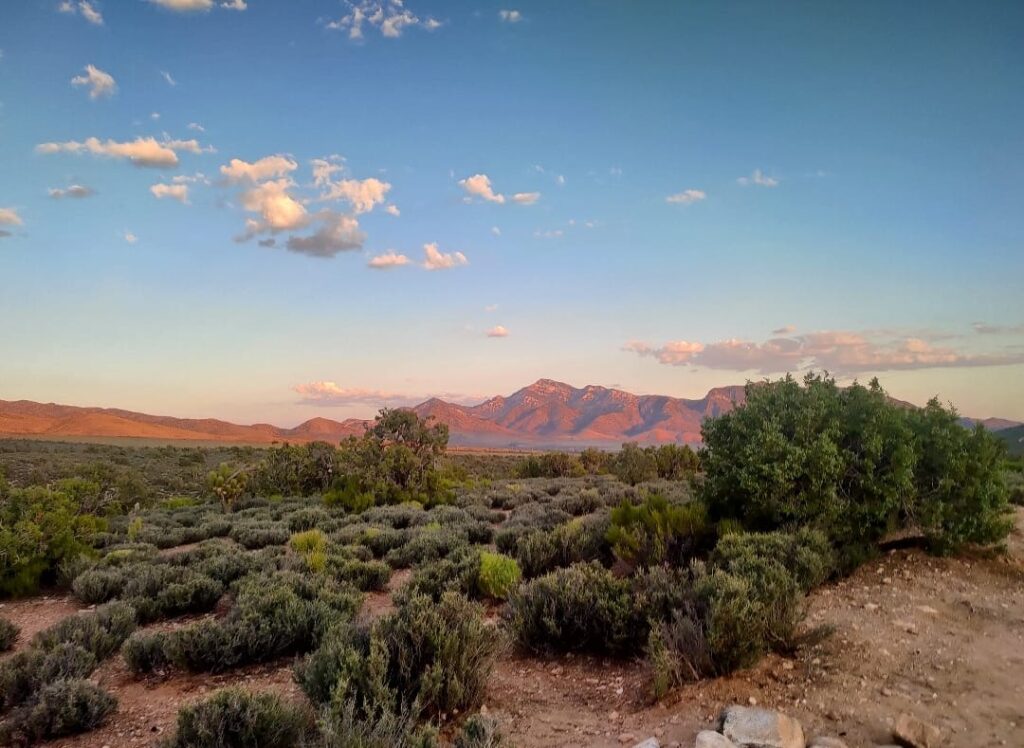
x: 840, y: 352
x: 100, y: 83
x: 784, y: 330
x: 130, y: 237
x: 184, y: 6
x: 389, y: 17
x: 498, y: 331
x: 510, y: 16
x: 686, y: 197
x: 330, y: 393
x: 83, y: 8
x: 74, y: 190
x: 526, y: 198
x: 983, y: 328
x: 168, y: 77
x: 147, y: 152
x: 758, y: 178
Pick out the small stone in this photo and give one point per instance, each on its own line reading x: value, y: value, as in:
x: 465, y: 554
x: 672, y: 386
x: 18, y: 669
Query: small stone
x: 914, y: 733
x: 627, y: 737
x: 649, y: 743
x: 752, y: 701
x: 710, y: 739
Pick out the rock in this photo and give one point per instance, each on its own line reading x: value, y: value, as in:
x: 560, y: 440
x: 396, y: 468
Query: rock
x: 750, y: 727
x: 709, y: 739
x: 627, y: 737
x: 913, y: 733
x: 649, y: 743
x: 824, y: 741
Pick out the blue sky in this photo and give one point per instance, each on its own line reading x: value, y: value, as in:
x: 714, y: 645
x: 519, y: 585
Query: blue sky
x: 659, y: 196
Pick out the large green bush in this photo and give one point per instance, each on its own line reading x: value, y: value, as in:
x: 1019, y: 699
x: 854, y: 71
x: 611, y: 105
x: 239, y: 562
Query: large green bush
x: 40, y: 530
x: 852, y: 463
x: 499, y: 575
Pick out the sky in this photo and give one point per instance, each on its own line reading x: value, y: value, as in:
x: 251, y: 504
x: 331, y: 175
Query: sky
x: 266, y: 211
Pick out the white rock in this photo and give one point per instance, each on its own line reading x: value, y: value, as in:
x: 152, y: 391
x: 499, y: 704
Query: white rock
x: 749, y: 727
x: 709, y: 739
x: 649, y: 743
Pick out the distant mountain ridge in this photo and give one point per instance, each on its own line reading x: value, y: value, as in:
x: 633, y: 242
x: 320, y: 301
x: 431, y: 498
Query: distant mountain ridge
x: 544, y: 414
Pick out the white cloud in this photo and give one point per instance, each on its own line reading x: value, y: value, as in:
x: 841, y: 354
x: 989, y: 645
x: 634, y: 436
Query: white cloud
x: 184, y: 6
x: 491, y: 308
x: 154, y: 116
x: 130, y: 237
x: 177, y: 192
x: 10, y: 217
x: 784, y: 330
x: 269, y: 166
x: 479, y: 185
x: 983, y: 328
x: 437, y: 260
x: 498, y: 331
x: 759, y: 179
x: 393, y: 210
x: 686, y: 197
x: 362, y: 194
x: 75, y: 190
x: 141, y: 151
x: 196, y: 126
x: 168, y: 77
x: 388, y: 260
x: 390, y: 17
x: 100, y: 83
x: 510, y: 16
x: 85, y: 8
x: 234, y: 5
x: 330, y: 393
x: 526, y: 198
x: 496, y: 230
x: 278, y: 210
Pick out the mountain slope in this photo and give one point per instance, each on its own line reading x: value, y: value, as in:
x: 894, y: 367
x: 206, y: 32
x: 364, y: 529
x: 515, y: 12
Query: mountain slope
x: 544, y: 414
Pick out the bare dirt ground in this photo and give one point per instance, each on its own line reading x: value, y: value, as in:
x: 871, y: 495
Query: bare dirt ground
x: 942, y: 639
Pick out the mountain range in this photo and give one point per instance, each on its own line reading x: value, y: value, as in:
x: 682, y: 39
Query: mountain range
x: 544, y: 414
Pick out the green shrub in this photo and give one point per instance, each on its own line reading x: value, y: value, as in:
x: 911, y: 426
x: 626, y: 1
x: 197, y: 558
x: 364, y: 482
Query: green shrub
x: 677, y: 652
x: 458, y: 572
x: 583, y: 607
x: 145, y: 652
x: 633, y: 464
x: 747, y: 611
x: 101, y: 632
x: 499, y: 575
x: 345, y: 727
x: 98, y: 585
x: 41, y: 530
x: 426, y: 656
x: 961, y: 493
x: 480, y: 732
x: 254, y: 536
x: 23, y: 674
x: 8, y: 634
x: 540, y: 551
x: 657, y: 532
x: 806, y: 554
x: 363, y: 575
x: 308, y: 541
x: 235, y: 718
x: 63, y: 707
x: 307, y: 519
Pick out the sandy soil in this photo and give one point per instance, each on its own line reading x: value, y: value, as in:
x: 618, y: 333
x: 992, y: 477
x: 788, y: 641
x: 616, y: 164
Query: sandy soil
x: 942, y: 639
